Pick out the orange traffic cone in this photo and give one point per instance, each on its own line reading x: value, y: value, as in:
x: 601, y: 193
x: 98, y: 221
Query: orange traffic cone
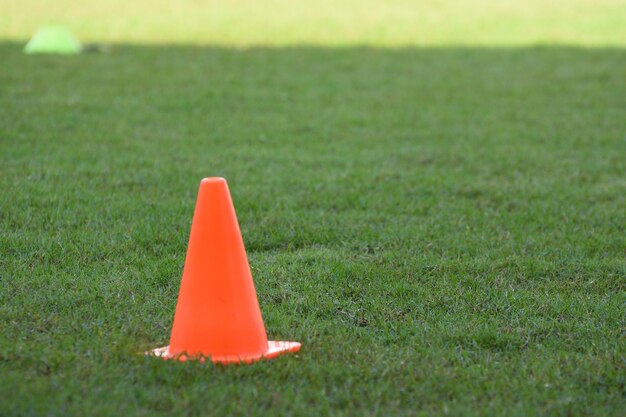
x: 218, y: 313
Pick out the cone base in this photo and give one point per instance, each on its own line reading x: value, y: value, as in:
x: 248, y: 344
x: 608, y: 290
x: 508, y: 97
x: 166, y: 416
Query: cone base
x: 275, y: 349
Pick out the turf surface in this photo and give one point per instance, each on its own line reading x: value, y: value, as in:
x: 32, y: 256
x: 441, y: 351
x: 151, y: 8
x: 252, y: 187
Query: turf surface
x: 441, y: 227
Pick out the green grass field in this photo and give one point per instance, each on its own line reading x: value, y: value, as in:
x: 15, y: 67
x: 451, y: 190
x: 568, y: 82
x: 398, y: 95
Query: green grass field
x: 437, y: 214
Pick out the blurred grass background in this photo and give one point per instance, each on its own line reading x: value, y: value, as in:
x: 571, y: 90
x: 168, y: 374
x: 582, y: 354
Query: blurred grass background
x: 326, y: 22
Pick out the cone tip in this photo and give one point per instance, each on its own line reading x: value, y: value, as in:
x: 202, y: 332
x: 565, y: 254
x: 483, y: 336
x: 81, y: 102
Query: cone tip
x: 213, y: 180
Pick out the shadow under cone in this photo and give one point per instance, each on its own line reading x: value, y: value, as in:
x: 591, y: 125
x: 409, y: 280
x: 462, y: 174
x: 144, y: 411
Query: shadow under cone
x: 217, y: 314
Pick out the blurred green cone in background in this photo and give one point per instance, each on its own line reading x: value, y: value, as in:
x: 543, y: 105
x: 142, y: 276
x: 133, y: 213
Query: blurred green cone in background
x: 53, y: 40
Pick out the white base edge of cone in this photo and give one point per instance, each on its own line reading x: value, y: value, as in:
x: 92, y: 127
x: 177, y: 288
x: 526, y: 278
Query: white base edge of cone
x: 275, y: 348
